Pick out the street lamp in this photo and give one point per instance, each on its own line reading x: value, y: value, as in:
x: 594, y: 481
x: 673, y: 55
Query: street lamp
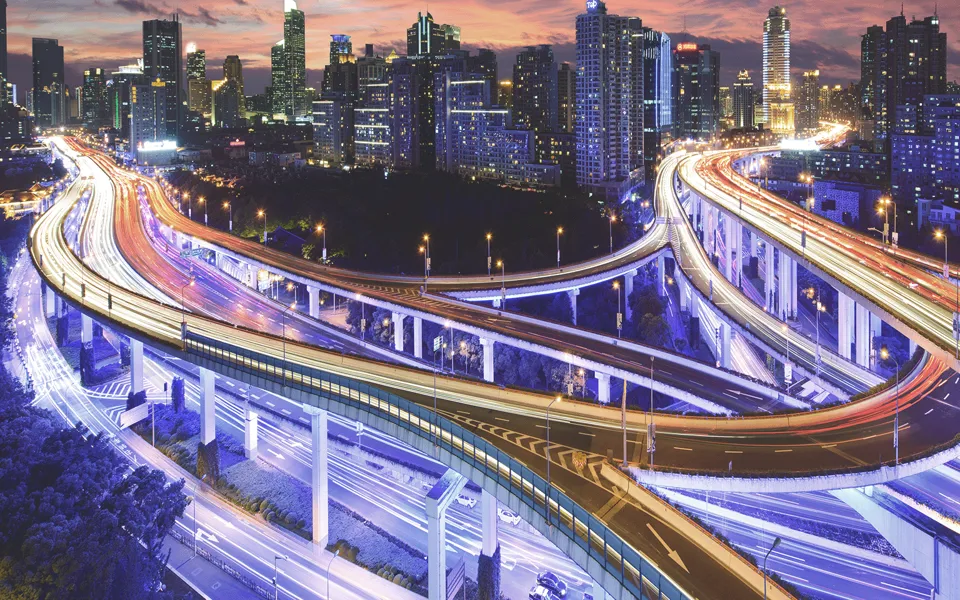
x: 616, y: 288
x: 787, y: 371
x: 503, y: 285
x: 885, y: 202
x: 330, y: 566
x: 276, y: 587
x: 229, y: 208
x: 559, y: 231
x: 183, y: 309
x: 203, y: 201
x: 613, y: 219
x: 940, y: 235
x: 323, y: 230
x: 263, y: 215
x: 885, y: 355
x: 776, y: 543
x: 819, y: 308
x: 189, y: 205
x: 489, y: 260
x: 546, y: 500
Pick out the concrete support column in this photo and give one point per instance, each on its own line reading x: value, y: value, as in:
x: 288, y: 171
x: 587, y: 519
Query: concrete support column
x: 741, y: 255
x: 603, y: 387
x: 572, y: 294
x: 628, y: 289
x: 912, y: 346
x: 754, y: 246
x: 489, y: 521
x: 863, y: 336
x: 417, y: 337
x: 662, y: 275
x: 723, y: 348
x: 846, y: 319
x: 398, y: 331
x: 729, y: 233
x: 313, y: 301
x: 50, y: 301
x: 251, y: 279
x: 318, y: 474
x: 710, y: 232
x: 788, y: 286
x: 488, y: 372
x: 60, y: 307
x: 86, y: 329
x: 770, y: 281
x: 208, y: 406
x: 136, y: 366
x: 250, y: 432
x: 437, y: 501
x: 876, y: 326
x: 682, y: 288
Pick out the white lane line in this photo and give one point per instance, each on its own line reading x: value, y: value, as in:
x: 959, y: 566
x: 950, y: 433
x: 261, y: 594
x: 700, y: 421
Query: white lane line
x: 502, y: 419
x: 683, y: 449
x: 587, y: 434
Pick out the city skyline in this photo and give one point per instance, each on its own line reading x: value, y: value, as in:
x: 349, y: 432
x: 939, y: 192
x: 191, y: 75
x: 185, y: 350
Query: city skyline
x: 250, y: 27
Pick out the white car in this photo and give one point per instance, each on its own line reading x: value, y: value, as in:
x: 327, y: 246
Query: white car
x: 508, y: 516
x: 466, y: 501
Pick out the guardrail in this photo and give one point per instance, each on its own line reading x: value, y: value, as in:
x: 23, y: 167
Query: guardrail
x: 636, y: 574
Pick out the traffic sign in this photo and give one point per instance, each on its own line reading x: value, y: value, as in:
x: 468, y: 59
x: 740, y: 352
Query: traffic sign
x: 134, y: 415
x: 436, y: 343
x: 190, y: 253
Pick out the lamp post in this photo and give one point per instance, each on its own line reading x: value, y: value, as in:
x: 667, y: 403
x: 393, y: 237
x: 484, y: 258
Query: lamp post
x: 203, y: 201
x: 489, y: 259
x: 503, y: 285
x: 559, y: 231
x: 330, y: 566
x: 546, y: 500
x: 323, y: 230
x: 616, y: 288
x: 263, y: 215
x: 787, y: 372
x: 183, y: 308
x: 189, y: 206
x: 229, y: 208
x: 885, y: 355
x: 776, y: 543
x: 276, y: 587
x: 887, y: 201
x: 940, y: 235
x: 652, y: 433
x: 613, y: 219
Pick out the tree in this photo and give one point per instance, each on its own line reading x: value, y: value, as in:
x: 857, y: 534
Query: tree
x: 307, y: 251
x: 177, y: 394
x: 654, y: 330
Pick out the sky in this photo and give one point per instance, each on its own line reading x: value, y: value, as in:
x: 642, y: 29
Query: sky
x: 107, y: 33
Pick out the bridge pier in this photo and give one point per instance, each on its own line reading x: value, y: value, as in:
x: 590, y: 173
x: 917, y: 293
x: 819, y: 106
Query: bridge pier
x: 771, y: 278
x: 788, y: 286
x: 863, y: 336
x: 710, y: 232
x: 251, y: 427
x: 661, y: 276
x: 208, y: 406
x: 682, y: 289
x: 318, y: 474
x: 603, y: 387
x: 572, y: 295
x: 846, y: 309
x: 729, y: 233
x: 417, y: 337
x: 397, y: 320
x: 724, y: 346
x: 628, y: 289
x: 438, y: 500
x: 50, y: 301
x: 488, y: 370
x: 313, y: 301
x: 86, y: 329
x: 136, y: 366
x: 876, y: 326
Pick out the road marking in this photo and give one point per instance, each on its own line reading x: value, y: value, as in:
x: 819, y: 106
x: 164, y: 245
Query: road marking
x: 463, y: 412
x: 928, y: 412
x: 788, y: 450
x: 946, y: 396
x: 733, y: 451
x: 670, y: 552
x: 587, y: 434
x: 684, y: 449
x: 502, y: 419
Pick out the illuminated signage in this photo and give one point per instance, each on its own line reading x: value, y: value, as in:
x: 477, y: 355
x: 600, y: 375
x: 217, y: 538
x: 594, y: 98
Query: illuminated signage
x: 687, y: 46
x: 592, y: 4
x: 161, y: 146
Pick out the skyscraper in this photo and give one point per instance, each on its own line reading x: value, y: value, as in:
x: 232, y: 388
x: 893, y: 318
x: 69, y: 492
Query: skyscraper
x: 696, y: 87
x: 121, y: 89
x: 3, y: 50
x: 777, y: 106
x: 342, y: 74
x: 911, y: 62
x: 485, y: 64
x: 148, y: 115
x: 163, y: 61
x: 49, y: 95
x: 94, y: 98
x: 535, y: 89
x: 198, y: 86
x: 870, y: 45
x: 657, y: 95
x: 233, y: 71
x: 428, y: 38
x: 566, y: 98
x: 291, y: 85
x: 808, y: 103
x: 743, y: 101
x: 278, y: 79
x: 609, y: 126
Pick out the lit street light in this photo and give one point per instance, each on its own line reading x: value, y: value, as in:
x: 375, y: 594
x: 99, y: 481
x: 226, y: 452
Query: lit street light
x: 613, y: 219
x: 229, y: 208
x: 940, y: 235
x: 885, y: 202
x: 503, y: 284
x: 559, y: 231
x: 616, y: 288
x: 323, y: 230
x: 263, y: 215
x: 189, y: 206
x: 203, y: 201
x: 489, y: 260
x: 885, y: 355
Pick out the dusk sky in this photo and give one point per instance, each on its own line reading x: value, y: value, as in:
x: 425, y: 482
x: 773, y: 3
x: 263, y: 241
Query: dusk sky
x: 107, y: 33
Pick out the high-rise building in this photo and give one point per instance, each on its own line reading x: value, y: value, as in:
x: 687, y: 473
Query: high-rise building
x: 94, y: 97
x: 342, y: 74
x: 403, y: 83
x: 777, y: 105
x: 4, y: 74
x: 726, y: 108
x: 340, y: 46
x: 163, y: 61
x: 428, y: 38
x: 505, y: 94
x: 911, y: 62
x: 198, y: 86
x: 609, y: 126
x: 371, y: 122
x: 148, y: 115
x: 120, y: 89
x: 485, y: 64
x: 743, y: 101
x: 535, y: 89
x: 566, y: 98
x: 233, y: 71
x: 696, y: 89
x: 657, y: 95
x: 925, y: 156
x: 808, y: 105
x: 49, y: 92
x: 371, y: 71
x: 289, y: 66
x: 870, y: 44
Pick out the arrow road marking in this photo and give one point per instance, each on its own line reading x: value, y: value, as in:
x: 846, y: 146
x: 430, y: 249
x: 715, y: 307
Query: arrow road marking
x: 673, y: 554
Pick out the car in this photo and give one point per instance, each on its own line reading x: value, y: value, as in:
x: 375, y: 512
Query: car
x: 540, y: 592
x: 587, y: 596
x: 507, y: 516
x: 551, y: 581
x: 466, y: 501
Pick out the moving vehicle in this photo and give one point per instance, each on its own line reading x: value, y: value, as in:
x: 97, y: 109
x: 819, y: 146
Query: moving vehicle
x: 552, y: 582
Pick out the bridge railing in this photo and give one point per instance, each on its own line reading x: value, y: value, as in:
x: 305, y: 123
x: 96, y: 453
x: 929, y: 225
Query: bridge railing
x: 637, y: 575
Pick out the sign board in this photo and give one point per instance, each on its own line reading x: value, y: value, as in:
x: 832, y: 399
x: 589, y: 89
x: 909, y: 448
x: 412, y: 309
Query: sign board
x: 189, y: 253
x: 455, y: 579
x: 134, y: 415
x: 436, y: 343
